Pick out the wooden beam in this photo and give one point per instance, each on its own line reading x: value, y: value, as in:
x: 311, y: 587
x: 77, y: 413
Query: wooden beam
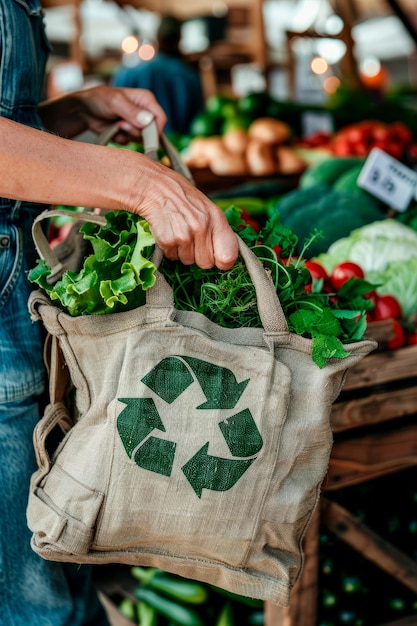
x: 364, y: 458
x: 369, y: 544
x: 402, y: 15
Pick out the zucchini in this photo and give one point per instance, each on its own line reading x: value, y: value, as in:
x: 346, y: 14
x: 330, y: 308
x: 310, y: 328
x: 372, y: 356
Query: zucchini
x: 174, y: 587
x: 226, y: 615
x: 128, y: 609
x: 147, y: 615
x: 181, y: 615
x: 252, y: 602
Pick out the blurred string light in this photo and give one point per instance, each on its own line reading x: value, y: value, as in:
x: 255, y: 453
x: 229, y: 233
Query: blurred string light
x: 130, y: 44
x: 135, y: 50
x: 331, y: 84
x: 146, y: 51
x: 319, y: 65
x: 370, y: 67
x: 373, y: 74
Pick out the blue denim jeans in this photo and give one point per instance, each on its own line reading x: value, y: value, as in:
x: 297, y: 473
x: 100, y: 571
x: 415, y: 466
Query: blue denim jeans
x: 33, y: 592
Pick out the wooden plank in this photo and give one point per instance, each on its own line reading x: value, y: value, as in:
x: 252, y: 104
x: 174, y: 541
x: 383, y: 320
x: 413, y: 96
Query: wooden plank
x: 383, y: 367
x: 405, y: 621
x: 369, y: 544
x: 364, y: 458
x: 374, y: 408
x: 114, y: 616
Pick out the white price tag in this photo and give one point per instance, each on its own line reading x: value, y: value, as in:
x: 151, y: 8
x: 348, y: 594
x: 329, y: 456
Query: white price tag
x: 388, y: 179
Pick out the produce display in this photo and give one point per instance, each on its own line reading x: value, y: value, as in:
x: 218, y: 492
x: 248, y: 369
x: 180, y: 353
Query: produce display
x: 350, y: 585
x: 261, y: 149
x: 158, y: 598
x: 395, y: 138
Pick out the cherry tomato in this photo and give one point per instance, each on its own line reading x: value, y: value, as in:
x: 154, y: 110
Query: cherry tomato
x: 411, y: 339
x: 316, y: 270
x: 398, y: 338
x: 343, y: 272
x: 386, y: 306
x: 250, y: 221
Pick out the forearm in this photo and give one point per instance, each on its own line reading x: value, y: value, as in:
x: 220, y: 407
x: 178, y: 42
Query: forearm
x: 40, y: 167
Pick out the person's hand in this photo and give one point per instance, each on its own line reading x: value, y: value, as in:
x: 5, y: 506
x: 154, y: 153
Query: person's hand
x: 136, y: 108
x: 97, y: 107
x: 185, y: 223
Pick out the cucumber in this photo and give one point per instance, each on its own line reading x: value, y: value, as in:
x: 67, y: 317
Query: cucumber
x: 147, y: 615
x: 128, y: 609
x: 174, y: 587
x: 226, y: 616
x: 252, y: 602
x: 181, y: 615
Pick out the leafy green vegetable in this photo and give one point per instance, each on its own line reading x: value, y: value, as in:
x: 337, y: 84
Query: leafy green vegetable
x: 387, y: 252
x: 373, y: 246
x: 113, y: 278
x: 400, y: 280
x: 228, y: 298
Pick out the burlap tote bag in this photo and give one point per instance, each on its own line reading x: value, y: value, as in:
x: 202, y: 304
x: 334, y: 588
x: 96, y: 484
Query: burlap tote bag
x: 193, y: 448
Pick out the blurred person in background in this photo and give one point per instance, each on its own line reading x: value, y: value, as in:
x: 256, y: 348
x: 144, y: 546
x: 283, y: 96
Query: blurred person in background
x: 174, y: 82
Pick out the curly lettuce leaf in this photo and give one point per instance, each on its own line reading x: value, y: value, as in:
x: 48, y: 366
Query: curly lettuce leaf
x: 114, y: 277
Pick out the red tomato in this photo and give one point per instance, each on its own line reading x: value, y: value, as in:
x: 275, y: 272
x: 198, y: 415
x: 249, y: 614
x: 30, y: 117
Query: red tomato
x: 250, y: 221
x: 277, y: 250
x: 398, y: 338
x: 343, y: 272
x: 341, y: 147
x: 316, y: 270
x: 411, y: 339
x: 401, y: 132
x: 386, y: 306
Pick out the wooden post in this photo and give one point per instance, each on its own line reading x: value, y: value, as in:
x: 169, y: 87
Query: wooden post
x: 368, y: 543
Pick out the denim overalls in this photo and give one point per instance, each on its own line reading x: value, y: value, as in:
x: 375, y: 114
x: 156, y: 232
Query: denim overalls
x: 33, y: 592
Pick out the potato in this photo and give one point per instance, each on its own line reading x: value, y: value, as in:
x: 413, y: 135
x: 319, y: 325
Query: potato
x: 225, y: 163
x: 200, y: 149
x: 269, y: 130
x: 195, y: 154
x: 260, y: 158
x: 288, y: 161
x: 236, y: 140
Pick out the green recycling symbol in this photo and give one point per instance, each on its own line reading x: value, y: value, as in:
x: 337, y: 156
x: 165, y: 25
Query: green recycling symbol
x: 168, y: 380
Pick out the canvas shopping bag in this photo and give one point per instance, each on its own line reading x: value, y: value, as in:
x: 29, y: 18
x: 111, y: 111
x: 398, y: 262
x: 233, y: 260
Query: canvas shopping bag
x: 189, y: 447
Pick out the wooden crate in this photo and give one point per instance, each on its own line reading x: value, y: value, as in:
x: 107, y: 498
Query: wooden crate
x: 375, y: 425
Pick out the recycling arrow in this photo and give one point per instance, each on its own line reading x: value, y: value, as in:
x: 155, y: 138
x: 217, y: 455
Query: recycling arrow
x: 168, y: 380
x: 171, y: 377
x: 241, y: 434
x: 137, y: 421
x: 156, y: 455
x: 213, y: 472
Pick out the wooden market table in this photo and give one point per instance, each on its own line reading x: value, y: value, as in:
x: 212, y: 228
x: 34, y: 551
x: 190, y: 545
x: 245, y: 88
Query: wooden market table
x: 375, y: 427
